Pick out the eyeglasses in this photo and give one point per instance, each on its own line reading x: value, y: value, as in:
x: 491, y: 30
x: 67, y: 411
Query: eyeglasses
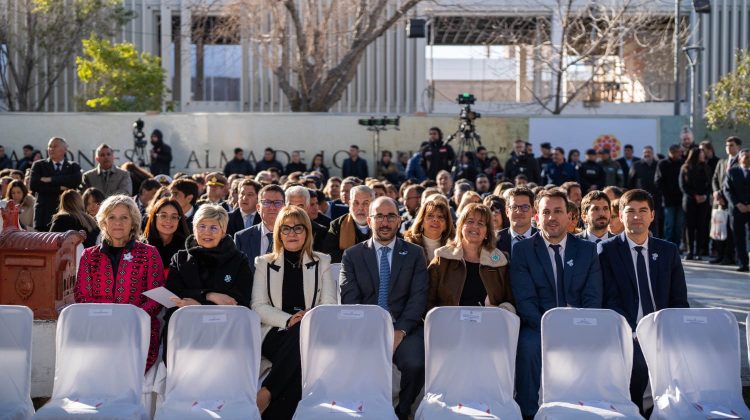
x: 272, y: 203
x: 213, y: 229
x: 523, y: 208
x: 297, y: 229
x: 168, y: 217
x: 391, y: 218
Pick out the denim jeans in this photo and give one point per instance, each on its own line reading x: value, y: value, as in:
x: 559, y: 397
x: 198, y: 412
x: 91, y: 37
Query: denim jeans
x: 674, y: 220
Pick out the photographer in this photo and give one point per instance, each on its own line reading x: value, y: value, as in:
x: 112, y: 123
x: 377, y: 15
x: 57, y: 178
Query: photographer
x: 161, y: 154
x: 521, y: 164
x: 437, y: 156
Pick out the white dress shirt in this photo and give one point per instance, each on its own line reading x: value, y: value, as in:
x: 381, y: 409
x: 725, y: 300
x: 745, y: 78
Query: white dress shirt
x: 513, y: 236
x: 593, y: 238
x: 551, y: 253
x: 251, y: 218
x: 378, y: 245
x: 264, y: 238
x: 634, y: 256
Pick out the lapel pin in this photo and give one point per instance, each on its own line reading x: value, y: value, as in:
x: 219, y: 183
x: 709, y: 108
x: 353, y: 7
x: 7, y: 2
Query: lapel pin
x: 227, y: 278
x: 128, y: 257
x: 403, y: 252
x: 570, y: 263
x: 654, y: 256
x: 495, y: 258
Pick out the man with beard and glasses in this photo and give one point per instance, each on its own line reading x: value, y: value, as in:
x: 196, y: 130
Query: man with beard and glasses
x: 596, y: 214
x: 400, y: 288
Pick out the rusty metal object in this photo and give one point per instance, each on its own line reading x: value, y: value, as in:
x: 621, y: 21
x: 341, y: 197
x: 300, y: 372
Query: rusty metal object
x: 37, y: 269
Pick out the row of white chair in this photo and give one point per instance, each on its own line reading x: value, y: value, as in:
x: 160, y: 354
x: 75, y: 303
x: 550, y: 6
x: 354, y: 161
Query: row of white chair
x: 213, y: 362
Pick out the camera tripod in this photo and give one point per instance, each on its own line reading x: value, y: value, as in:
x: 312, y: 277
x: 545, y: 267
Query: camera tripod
x: 468, y: 140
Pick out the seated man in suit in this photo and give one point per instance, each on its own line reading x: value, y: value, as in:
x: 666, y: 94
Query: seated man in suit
x: 257, y: 240
x: 246, y: 213
x: 520, y: 210
x: 300, y: 196
x: 317, y: 197
x: 351, y: 228
x: 551, y: 269
x: 737, y: 192
x: 641, y: 274
x: 596, y: 214
x: 391, y: 273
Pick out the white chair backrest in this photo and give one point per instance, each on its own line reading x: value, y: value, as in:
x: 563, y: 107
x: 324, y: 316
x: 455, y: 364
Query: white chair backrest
x: 101, y: 351
x: 213, y: 352
x: 587, y: 355
x: 15, y: 353
x: 695, y: 352
x: 346, y: 352
x: 470, y: 353
x: 335, y: 274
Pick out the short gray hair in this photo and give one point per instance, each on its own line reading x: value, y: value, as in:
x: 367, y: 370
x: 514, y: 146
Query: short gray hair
x: 298, y: 191
x: 211, y: 212
x: 106, y: 208
x: 361, y: 189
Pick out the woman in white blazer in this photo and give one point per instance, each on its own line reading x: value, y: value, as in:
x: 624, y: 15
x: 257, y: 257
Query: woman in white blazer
x: 288, y: 282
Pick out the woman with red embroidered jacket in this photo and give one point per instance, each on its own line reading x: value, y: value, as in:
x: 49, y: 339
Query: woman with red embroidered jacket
x: 120, y: 269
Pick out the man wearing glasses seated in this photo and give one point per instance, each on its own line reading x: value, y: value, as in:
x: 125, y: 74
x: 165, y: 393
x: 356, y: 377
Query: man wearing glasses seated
x: 520, y: 210
x: 257, y: 240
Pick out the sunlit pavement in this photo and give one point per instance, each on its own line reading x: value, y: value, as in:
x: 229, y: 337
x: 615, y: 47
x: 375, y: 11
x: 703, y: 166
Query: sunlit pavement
x: 720, y: 286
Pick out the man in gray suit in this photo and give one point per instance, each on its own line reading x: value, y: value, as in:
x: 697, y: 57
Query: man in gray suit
x: 391, y: 273
x: 106, y: 177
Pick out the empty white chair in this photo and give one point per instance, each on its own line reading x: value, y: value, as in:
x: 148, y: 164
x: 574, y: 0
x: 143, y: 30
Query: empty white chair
x: 335, y: 274
x: 346, y: 355
x: 15, y: 362
x: 100, y: 360
x: 470, y: 355
x: 587, y: 358
x: 693, y: 358
x: 213, y: 363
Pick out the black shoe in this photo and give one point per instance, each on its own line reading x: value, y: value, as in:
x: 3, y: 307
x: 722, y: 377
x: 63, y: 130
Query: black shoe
x: 716, y: 260
x: 743, y: 269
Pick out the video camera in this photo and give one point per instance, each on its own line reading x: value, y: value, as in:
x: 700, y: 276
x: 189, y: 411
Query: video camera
x: 139, y: 137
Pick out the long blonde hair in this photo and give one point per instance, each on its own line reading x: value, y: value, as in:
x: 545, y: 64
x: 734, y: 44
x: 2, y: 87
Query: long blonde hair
x: 71, y: 203
x: 299, y: 216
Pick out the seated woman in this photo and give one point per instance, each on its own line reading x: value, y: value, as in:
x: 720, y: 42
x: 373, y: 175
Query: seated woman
x: 470, y: 271
x: 497, y: 205
x: 71, y: 215
x: 166, y: 229
x: 138, y: 265
x: 18, y: 192
x: 288, y: 282
x: 432, y: 227
x: 92, y: 199
x: 209, y: 270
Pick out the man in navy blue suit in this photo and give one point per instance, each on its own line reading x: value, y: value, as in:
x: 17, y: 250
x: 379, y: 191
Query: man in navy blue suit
x: 596, y: 214
x: 737, y: 192
x: 641, y: 274
x: 258, y: 239
x: 520, y: 210
x: 551, y: 269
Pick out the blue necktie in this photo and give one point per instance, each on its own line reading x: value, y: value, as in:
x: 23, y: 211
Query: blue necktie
x: 248, y: 221
x: 561, y: 301
x: 643, y: 290
x: 385, y: 278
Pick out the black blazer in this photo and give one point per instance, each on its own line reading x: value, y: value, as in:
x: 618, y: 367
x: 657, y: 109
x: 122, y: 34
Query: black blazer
x: 736, y: 188
x: 360, y: 281
x: 48, y: 193
x: 621, y: 284
x: 236, y: 223
x: 66, y: 222
x: 504, y: 240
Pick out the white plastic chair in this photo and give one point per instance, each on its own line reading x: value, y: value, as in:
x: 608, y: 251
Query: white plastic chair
x: 15, y: 362
x: 346, y: 363
x: 100, y: 360
x: 693, y: 358
x: 587, y: 358
x: 335, y: 274
x: 470, y: 355
x: 213, y: 362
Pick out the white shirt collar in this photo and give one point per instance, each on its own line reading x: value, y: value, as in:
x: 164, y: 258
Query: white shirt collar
x: 377, y: 245
x: 263, y: 229
x: 244, y: 215
x: 562, y: 243
x: 592, y: 237
x: 526, y: 234
x: 632, y: 244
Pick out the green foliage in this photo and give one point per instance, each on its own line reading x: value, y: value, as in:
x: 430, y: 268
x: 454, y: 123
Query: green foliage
x: 730, y: 96
x: 118, y: 78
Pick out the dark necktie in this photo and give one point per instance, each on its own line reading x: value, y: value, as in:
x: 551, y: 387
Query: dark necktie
x: 269, y: 248
x: 520, y: 238
x: 385, y: 278
x: 598, y: 240
x: 561, y: 301
x: 643, y: 290
x: 106, y: 177
x: 57, y: 167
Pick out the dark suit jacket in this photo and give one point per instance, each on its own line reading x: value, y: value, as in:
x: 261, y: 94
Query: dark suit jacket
x: 625, y: 168
x: 620, y: 282
x: 247, y: 241
x: 533, y: 282
x: 320, y: 233
x: 324, y: 220
x: 356, y: 168
x: 504, y: 239
x: 331, y: 243
x: 736, y: 188
x: 48, y: 193
x: 236, y: 223
x: 360, y: 281
x: 338, y: 210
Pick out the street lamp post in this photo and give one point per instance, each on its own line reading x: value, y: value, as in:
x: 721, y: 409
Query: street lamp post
x: 692, y: 52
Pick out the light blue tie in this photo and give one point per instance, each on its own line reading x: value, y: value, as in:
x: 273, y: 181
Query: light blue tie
x: 248, y: 221
x: 385, y: 278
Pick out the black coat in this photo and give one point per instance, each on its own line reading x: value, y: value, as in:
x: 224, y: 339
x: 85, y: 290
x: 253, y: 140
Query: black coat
x: 667, y: 179
x: 66, y: 222
x: 642, y: 175
x: 695, y: 181
x: 237, y: 166
x: 437, y: 156
x: 591, y: 174
x: 522, y: 165
x: 163, y: 161
x: 48, y: 193
x: 331, y: 246
x: 294, y: 167
x: 356, y: 168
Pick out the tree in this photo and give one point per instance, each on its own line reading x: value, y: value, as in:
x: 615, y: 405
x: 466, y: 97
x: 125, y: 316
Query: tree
x: 729, y: 105
x: 39, y: 38
x: 314, y: 46
x: 117, y: 78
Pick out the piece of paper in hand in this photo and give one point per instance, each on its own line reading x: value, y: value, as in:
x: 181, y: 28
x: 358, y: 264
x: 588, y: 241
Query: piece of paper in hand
x: 210, y: 405
x: 349, y: 407
x: 161, y: 295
